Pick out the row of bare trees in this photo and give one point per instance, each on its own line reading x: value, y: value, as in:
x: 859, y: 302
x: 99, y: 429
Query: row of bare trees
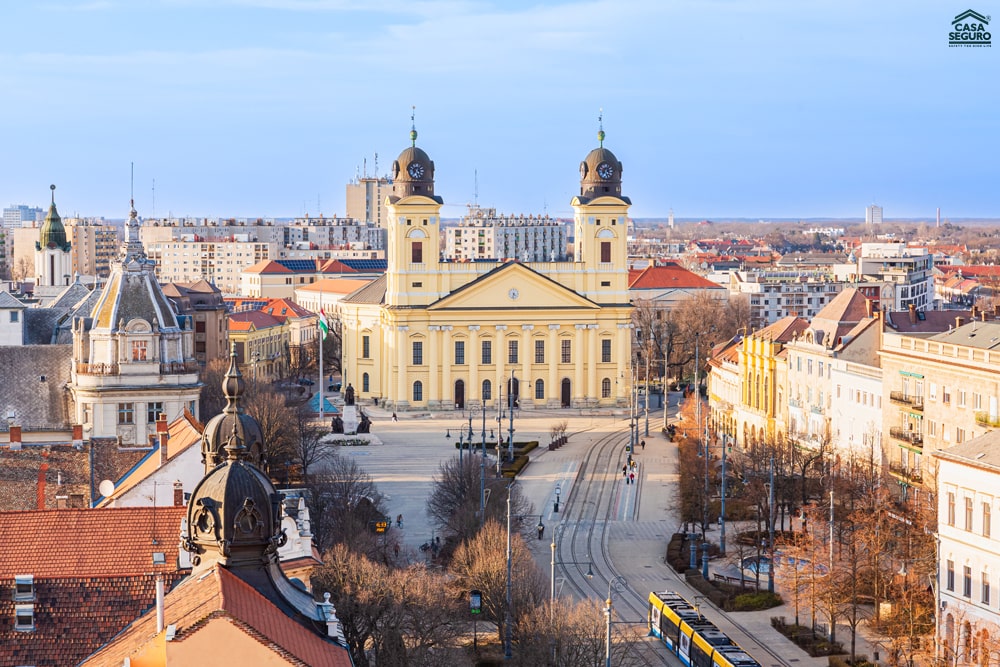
x: 665, y: 336
x: 849, y: 546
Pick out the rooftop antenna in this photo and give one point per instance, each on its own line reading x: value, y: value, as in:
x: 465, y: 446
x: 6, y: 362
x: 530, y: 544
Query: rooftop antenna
x: 152, y: 209
x: 475, y: 196
x: 413, y: 125
x: 319, y: 209
x: 376, y: 165
x: 600, y: 126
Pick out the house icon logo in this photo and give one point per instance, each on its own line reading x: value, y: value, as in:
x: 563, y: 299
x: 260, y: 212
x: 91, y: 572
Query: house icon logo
x: 970, y: 28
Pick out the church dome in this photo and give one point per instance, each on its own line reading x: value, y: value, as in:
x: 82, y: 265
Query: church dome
x: 234, y: 517
x: 600, y: 172
x: 52, y: 233
x: 232, y: 421
x: 413, y: 172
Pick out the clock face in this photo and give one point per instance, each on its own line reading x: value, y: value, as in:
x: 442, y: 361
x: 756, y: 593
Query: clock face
x: 513, y: 293
x: 415, y: 170
x: 605, y: 170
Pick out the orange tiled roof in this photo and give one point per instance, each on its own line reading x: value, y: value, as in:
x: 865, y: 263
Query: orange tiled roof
x: 334, y: 285
x: 216, y: 593
x: 282, y: 309
x: 335, y: 266
x: 267, y: 266
x: 108, y: 542
x: 783, y: 330
x: 670, y: 276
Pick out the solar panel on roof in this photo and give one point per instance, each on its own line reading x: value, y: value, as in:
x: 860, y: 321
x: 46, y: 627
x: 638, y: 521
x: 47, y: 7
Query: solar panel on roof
x: 366, y: 264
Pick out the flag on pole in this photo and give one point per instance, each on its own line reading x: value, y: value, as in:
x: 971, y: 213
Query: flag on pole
x: 323, y: 326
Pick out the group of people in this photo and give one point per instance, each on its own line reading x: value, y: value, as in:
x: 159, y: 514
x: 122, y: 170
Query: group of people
x: 629, y: 470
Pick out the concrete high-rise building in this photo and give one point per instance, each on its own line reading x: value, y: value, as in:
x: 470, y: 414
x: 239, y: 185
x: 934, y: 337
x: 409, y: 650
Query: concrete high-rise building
x: 873, y: 215
x: 95, y: 246
x: 364, y: 199
x: 482, y: 234
x: 19, y: 215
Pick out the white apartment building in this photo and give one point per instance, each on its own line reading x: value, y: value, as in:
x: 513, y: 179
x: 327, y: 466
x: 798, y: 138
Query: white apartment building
x: 16, y: 216
x: 969, y: 550
x: 904, y: 275
x: 219, y: 263
x: 778, y: 294
x: 483, y: 234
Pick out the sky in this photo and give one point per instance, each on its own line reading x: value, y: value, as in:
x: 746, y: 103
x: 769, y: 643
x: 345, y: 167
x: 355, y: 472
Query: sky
x: 716, y: 108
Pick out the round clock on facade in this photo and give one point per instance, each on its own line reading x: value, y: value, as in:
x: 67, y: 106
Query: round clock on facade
x: 415, y: 170
x: 513, y: 293
x: 605, y: 170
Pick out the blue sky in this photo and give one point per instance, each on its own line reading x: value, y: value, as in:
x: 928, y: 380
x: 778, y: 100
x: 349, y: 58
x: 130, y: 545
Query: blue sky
x: 717, y: 109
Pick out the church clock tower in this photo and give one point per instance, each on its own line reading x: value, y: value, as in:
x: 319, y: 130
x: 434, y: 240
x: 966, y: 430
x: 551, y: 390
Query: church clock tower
x: 601, y: 226
x: 53, y: 261
x: 414, y: 221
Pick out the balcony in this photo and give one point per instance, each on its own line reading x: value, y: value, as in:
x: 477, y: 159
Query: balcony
x: 794, y: 403
x: 97, y: 369
x: 900, y: 398
x: 984, y: 419
x: 906, y: 474
x: 907, y: 435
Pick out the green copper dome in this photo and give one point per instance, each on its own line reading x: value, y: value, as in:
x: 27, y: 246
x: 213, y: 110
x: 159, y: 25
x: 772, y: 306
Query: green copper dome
x: 53, y: 234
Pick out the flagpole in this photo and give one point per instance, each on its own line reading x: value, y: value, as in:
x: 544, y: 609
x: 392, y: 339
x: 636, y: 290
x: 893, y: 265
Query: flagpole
x: 322, y: 335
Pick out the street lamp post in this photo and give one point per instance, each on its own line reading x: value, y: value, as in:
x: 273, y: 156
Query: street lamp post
x: 619, y: 583
x: 722, y: 508
x: 552, y: 576
x: 507, y: 655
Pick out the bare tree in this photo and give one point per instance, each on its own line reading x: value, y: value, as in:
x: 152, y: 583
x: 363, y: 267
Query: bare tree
x: 566, y: 634
x: 271, y: 410
x: 345, y: 503
x: 480, y: 564
x: 455, y: 498
x: 22, y: 269
x: 212, y: 400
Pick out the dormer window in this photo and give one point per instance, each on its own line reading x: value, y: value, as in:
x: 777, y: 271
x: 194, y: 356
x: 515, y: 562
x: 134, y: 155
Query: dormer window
x: 24, y: 587
x: 138, y: 350
x: 24, y: 617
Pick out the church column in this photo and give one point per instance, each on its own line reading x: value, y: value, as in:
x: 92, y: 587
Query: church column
x: 433, y: 389
x: 501, y: 356
x: 447, y: 395
x: 624, y: 337
x: 555, y: 354
x: 527, y: 387
x: 472, y: 392
x: 579, y: 390
x: 595, y: 357
x: 402, y: 397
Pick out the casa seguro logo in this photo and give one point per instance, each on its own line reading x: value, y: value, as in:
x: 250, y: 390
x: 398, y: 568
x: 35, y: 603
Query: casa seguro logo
x: 970, y: 29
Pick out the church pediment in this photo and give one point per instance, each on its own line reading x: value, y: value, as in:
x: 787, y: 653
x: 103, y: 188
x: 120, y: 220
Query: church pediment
x: 513, y: 286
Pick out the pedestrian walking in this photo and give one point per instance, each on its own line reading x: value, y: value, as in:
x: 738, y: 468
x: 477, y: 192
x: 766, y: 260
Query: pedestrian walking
x: 642, y: 443
x: 395, y: 549
x: 394, y: 417
x: 631, y: 478
x: 399, y: 520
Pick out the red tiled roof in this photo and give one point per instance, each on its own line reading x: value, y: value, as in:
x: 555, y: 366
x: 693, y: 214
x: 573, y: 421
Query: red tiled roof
x: 111, y: 542
x: 783, y: 330
x: 216, y: 593
x: 282, y: 309
x: 848, y: 306
x: 252, y: 319
x: 335, y: 266
x: 669, y: 277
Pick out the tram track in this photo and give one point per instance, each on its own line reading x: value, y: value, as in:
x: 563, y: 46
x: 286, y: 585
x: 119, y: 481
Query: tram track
x: 583, y: 538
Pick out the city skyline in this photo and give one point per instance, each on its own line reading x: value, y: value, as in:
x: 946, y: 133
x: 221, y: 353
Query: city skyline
x: 717, y: 110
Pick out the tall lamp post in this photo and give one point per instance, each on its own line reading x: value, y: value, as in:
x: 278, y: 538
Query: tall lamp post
x: 619, y: 584
x: 552, y: 576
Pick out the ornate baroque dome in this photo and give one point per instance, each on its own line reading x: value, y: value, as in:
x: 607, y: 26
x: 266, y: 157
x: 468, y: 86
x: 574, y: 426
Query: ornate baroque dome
x: 600, y: 172
x: 52, y: 233
x: 413, y: 171
x: 232, y: 422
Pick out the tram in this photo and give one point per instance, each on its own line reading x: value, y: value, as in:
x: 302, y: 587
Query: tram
x: 690, y: 636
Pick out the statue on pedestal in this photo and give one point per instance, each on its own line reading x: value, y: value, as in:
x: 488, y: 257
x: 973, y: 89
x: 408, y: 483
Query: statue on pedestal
x: 349, y: 395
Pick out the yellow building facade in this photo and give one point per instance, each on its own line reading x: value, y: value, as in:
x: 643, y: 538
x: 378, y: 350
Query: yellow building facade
x: 438, y: 335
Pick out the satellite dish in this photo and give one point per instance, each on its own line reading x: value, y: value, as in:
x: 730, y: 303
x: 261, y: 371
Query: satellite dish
x: 107, y: 487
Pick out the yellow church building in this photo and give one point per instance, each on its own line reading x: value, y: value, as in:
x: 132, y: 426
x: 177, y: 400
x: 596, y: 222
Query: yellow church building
x: 439, y: 335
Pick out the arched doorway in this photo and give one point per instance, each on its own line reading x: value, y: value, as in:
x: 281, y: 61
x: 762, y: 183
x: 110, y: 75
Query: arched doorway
x: 565, y: 393
x: 513, y: 390
x: 460, y: 394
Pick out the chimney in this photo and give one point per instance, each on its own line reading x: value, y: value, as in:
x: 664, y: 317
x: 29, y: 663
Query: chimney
x: 868, y: 307
x: 913, y: 314
x: 15, y: 438
x: 159, y: 604
x: 162, y: 436
x: 78, y: 436
x: 178, y: 494
x: 959, y: 321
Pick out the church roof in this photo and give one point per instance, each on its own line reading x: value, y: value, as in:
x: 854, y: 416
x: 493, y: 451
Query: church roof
x: 132, y: 295
x: 53, y: 234
x: 373, y: 292
x: 74, y: 293
x: 219, y: 593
